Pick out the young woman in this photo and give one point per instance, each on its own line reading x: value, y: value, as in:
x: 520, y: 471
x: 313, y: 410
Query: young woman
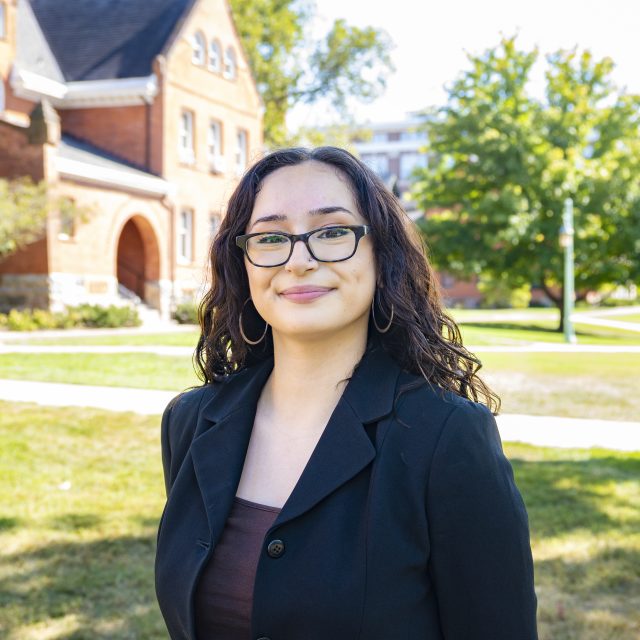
x: 339, y: 475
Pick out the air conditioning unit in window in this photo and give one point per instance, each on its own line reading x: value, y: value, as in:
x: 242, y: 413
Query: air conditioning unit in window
x: 217, y: 164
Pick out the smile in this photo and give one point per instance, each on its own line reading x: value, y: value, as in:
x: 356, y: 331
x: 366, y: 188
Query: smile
x: 305, y: 296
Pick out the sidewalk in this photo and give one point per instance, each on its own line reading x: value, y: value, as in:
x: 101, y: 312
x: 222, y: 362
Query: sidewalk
x: 534, y: 347
x: 548, y: 431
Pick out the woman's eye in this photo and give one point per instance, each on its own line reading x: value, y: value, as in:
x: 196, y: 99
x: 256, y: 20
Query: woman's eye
x: 332, y: 233
x: 271, y: 238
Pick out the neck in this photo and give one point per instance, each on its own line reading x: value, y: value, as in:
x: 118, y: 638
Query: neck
x: 307, y: 375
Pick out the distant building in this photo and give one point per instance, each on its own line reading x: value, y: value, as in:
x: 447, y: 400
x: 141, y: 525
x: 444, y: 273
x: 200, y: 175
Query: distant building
x: 393, y: 151
x: 147, y: 113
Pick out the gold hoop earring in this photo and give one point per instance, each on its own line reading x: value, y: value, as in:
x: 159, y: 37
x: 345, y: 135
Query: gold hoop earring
x: 244, y: 337
x: 373, y: 314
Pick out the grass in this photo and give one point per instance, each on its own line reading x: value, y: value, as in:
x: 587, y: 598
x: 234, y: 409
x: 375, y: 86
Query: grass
x: 539, y: 331
x: 77, y: 559
x: 593, y: 385
x: 172, y: 339
x: 138, y: 370
x: 579, y: 385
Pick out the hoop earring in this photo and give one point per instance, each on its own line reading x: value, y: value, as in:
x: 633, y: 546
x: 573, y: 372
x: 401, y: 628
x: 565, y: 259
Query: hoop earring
x: 373, y: 314
x: 244, y: 337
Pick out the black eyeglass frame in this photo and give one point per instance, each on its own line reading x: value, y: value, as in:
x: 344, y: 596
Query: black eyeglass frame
x: 360, y: 230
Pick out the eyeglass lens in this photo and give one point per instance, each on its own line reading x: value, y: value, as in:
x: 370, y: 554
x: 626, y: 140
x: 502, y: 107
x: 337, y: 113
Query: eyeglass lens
x: 331, y: 244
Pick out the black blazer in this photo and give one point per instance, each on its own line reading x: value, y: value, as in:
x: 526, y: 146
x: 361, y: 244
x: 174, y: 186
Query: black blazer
x: 405, y: 524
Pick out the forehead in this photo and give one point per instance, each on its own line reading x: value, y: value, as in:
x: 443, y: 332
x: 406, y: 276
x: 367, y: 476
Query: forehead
x: 304, y: 187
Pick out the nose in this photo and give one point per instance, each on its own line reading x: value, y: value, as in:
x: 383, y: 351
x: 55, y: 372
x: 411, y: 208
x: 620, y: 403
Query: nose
x: 300, y: 259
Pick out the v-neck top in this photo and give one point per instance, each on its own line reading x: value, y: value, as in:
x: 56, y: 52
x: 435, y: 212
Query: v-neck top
x: 224, y: 592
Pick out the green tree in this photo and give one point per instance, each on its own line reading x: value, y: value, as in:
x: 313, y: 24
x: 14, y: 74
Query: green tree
x: 291, y: 67
x: 502, y: 164
x: 24, y: 209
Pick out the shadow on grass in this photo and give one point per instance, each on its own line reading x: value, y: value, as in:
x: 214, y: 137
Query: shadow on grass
x: 106, y: 585
x: 590, y: 599
x: 511, y: 326
x: 562, y: 496
x: 74, y: 521
x: 7, y: 523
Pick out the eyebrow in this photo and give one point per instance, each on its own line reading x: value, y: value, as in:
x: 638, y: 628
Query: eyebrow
x: 279, y: 217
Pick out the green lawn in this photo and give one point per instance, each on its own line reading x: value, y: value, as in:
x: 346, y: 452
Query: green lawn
x: 593, y: 385
x: 138, y: 370
x: 525, y: 332
x: 579, y: 385
x: 172, y: 339
x: 81, y: 493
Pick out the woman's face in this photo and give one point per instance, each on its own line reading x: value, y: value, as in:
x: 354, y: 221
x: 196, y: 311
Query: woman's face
x: 297, y: 195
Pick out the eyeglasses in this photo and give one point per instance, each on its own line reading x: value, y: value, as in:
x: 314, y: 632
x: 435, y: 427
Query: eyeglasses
x: 327, y: 244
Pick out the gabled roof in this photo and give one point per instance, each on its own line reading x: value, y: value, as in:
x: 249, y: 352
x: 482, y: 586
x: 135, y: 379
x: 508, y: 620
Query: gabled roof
x: 108, y: 39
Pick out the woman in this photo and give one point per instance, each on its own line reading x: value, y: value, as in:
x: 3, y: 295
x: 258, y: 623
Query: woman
x: 340, y: 474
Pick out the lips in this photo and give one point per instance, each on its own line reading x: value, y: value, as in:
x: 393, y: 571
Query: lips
x: 305, y: 289
x: 305, y: 294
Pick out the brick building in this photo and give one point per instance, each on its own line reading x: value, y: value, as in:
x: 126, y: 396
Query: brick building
x: 144, y: 112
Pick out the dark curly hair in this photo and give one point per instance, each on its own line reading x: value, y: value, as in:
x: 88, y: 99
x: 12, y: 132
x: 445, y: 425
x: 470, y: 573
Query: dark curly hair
x: 423, y: 338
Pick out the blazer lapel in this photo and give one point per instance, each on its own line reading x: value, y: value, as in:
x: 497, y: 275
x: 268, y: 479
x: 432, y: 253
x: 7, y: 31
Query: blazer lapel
x: 344, y: 448
x: 222, y: 437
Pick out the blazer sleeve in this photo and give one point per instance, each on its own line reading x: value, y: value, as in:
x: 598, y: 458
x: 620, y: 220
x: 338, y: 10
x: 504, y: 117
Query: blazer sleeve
x: 165, y: 443
x: 481, y: 562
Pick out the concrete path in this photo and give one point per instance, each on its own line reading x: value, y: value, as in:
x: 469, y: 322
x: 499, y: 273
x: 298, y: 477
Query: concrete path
x: 534, y: 347
x: 539, y: 430
x: 11, y: 336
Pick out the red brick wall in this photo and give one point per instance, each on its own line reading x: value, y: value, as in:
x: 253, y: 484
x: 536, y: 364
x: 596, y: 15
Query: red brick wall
x: 119, y: 130
x: 17, y: 156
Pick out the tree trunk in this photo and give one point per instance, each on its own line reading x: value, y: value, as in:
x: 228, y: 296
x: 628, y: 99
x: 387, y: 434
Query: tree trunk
x: 558, y: 301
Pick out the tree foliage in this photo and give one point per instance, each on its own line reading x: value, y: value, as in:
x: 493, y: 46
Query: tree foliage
x: 502, y: 163
x: 24, y: 209
x: 291, y: 67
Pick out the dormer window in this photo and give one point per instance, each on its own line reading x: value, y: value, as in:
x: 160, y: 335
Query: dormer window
x: 230, y: 65
x: 199, y: 49
x: 215, y: 55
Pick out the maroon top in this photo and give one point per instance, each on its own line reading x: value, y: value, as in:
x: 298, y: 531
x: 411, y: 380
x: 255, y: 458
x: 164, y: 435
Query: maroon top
x: 224, y: 593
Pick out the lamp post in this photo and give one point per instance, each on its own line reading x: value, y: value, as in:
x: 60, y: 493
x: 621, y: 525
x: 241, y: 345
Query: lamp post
x: 566, y: 241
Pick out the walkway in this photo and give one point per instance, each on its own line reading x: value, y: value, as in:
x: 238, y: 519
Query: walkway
x: 539, y: 430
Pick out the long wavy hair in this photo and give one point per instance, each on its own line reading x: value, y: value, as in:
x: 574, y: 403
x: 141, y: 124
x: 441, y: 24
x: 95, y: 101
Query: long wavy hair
x: 423, y: 339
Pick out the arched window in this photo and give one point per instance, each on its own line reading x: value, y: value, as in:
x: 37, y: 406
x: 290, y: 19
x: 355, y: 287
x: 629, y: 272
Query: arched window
x: 199, y: 48
x: 215, y: 55
x: 230, y: 66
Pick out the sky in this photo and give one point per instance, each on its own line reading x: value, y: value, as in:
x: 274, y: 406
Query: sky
x: 431, y: 40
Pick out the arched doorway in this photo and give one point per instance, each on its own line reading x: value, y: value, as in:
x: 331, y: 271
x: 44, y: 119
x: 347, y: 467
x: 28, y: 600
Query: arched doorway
x: 138, y: 259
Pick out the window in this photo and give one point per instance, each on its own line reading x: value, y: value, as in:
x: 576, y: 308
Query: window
x: 3, y: 24
x: 230, y: 64
x: 241, y: 151
x: 214, y: 224
x: 199, y: 48
x: 411, y: 161
x: 214, y: 147
x: 68, y: 217
x: 1, y: 94
x: 185, y: 145
x: 185, y: 236
x: 214, y: 56
x: 378, y: 163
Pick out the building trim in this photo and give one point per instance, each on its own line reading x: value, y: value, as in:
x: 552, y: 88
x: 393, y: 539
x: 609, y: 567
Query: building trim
x: 83, y: 171
x: 121, y: 92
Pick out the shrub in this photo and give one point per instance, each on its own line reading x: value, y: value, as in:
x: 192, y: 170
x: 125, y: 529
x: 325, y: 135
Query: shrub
x: 93, y: 315
x: 84, y: 315
x: 186, y: 313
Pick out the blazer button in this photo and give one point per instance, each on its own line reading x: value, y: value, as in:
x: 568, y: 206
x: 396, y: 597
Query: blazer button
x: 275, y: 549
